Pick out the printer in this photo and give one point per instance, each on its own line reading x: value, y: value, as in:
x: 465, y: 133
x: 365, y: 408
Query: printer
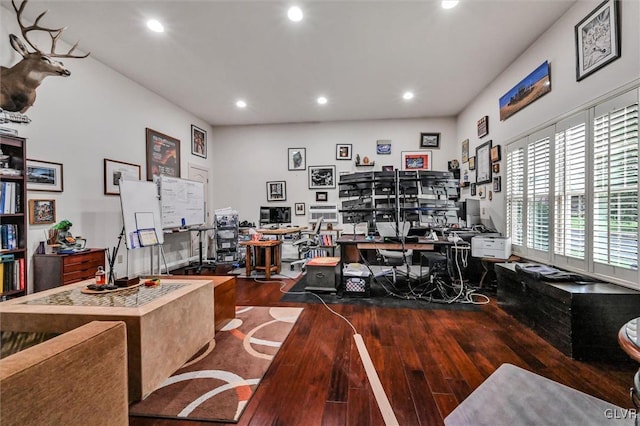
x: 494, y: 246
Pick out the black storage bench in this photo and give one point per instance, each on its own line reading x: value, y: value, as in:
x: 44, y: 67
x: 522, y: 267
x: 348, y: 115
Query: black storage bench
x: 581, y: 318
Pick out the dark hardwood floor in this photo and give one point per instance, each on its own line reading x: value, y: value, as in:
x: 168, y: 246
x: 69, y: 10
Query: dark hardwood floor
x: 428, y: 362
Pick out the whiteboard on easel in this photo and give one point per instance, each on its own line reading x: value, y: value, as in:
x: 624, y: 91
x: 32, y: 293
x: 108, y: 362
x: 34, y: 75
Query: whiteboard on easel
x: 140, y: 211
x: 181, y: 202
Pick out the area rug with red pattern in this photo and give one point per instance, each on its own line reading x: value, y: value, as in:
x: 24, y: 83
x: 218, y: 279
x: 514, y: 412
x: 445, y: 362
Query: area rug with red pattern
x: 217, y: 383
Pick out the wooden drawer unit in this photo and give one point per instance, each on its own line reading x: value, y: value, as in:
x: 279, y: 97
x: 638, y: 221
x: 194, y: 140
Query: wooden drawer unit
x: 54, y: 270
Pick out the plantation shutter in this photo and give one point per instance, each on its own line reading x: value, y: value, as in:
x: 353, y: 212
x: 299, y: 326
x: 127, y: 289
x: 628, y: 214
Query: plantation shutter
x: 570, y: 191
x: 615, y: 188
x: 538, y: 165
x: 515, y: 196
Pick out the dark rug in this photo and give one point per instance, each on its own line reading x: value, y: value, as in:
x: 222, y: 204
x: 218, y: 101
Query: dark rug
x: 378, y: 296
x: 217, y: 383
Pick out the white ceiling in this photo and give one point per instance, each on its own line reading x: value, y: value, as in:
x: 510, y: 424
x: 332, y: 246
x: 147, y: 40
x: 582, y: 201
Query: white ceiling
x: 361, y: 55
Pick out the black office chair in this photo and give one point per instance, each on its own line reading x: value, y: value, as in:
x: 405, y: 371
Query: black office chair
x: 394, y: 258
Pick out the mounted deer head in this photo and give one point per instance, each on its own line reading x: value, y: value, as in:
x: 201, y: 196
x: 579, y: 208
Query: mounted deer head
x: 18, y: 84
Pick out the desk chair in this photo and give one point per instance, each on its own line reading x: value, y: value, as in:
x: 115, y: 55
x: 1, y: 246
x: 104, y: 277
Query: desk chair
x: 309, y: 245
x: 394, y: 258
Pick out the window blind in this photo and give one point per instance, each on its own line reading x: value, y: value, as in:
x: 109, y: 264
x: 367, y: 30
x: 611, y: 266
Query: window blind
x: 570, y: 192
x: 515, y: 196
x: 615, y: 188
x: 538, y: 169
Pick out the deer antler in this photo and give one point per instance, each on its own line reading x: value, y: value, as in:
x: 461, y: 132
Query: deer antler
x: 54, y: 33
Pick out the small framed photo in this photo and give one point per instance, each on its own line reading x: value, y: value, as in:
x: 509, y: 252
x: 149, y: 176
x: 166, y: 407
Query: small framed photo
x: 483, y: 126
x: 42, y: 212
x: 387, y: 168
x: 497, y: 184
x: 416, y: 160
x: 343, y: 151
x: 472, y: 163
x: 495, y: 153
x: 277, y: 190
x: 44, y: 176
x: 383, y: 147
x: 429, y: 140
x: 299, y: 209
x: 465, y: 151
x: 198, y: 141
x: 474, y: 188
x: 297, y: 158
x: 482, y: 193
x: 114, y: 171
x: 322, y: 177
x: 495, y: 168
x: 322, y: 196
x: 598, y: 39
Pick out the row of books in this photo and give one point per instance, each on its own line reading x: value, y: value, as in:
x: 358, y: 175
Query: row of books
x: 11, y: 273
x: 9, y: 236
x: 10, y: 198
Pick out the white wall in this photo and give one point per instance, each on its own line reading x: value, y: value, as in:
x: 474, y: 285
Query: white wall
x: 246, y: 157
x: 557, y: 46
x: 79, y: 121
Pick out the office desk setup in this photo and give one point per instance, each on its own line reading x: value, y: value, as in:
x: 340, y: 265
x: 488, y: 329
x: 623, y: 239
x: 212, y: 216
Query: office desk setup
x: 351, y: 247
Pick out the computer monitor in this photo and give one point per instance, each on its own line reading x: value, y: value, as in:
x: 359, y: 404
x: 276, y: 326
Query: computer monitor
x: 389, y: 229
x: 280, y: 214
x: 472, y: 208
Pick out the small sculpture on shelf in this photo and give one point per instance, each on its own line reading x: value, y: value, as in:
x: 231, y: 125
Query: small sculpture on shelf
x: 61, y: 237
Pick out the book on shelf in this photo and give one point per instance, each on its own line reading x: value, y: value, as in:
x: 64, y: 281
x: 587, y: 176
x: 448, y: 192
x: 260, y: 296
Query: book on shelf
x: 8, y: 236
x: 6, y: 272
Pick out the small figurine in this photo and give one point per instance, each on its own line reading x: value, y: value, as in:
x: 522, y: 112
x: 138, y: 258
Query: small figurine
x: 357, y: 158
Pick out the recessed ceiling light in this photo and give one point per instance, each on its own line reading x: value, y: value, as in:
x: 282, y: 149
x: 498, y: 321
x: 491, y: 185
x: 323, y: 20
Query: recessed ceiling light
x: 407, y: 96
x: 241, y: 104
x: 295, y: 14
x: 322, y: 100
x: 155, y: 26
x: 449, y: 4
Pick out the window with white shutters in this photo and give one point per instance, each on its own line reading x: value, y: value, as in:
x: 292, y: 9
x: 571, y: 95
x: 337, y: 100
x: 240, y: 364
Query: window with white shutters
x: 570, y: 192
x: 615, y: 187
x: 538, y: 169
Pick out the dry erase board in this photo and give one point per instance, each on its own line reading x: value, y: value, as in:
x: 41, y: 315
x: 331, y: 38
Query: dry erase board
x: 140, y: 210
x: 181, y: 202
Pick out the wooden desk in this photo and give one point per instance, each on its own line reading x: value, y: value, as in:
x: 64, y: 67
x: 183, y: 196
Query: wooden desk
x: 281, y: 232
x: 271, y: 249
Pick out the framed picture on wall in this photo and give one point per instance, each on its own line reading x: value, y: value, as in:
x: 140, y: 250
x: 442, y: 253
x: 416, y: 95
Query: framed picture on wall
x: 44, y: 176
x: 114, y: 171
x: 343, y: 151
x: 495, y: 154
x: 383, y: 146
x: 299, y: 209
x: 472, y: 163
x: 198, y: 142
x: 322, y: 196
x: 322, y: 177
x: 42, y: 212
x: 297, y: 158
x: 465, y: 151
x: 429, y: 140
x: 597, y: 39
x: 163, y: 155
x: 416, y: 160
x: 483, y: 163
x: 277, y: 190
x: 483, y: 126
